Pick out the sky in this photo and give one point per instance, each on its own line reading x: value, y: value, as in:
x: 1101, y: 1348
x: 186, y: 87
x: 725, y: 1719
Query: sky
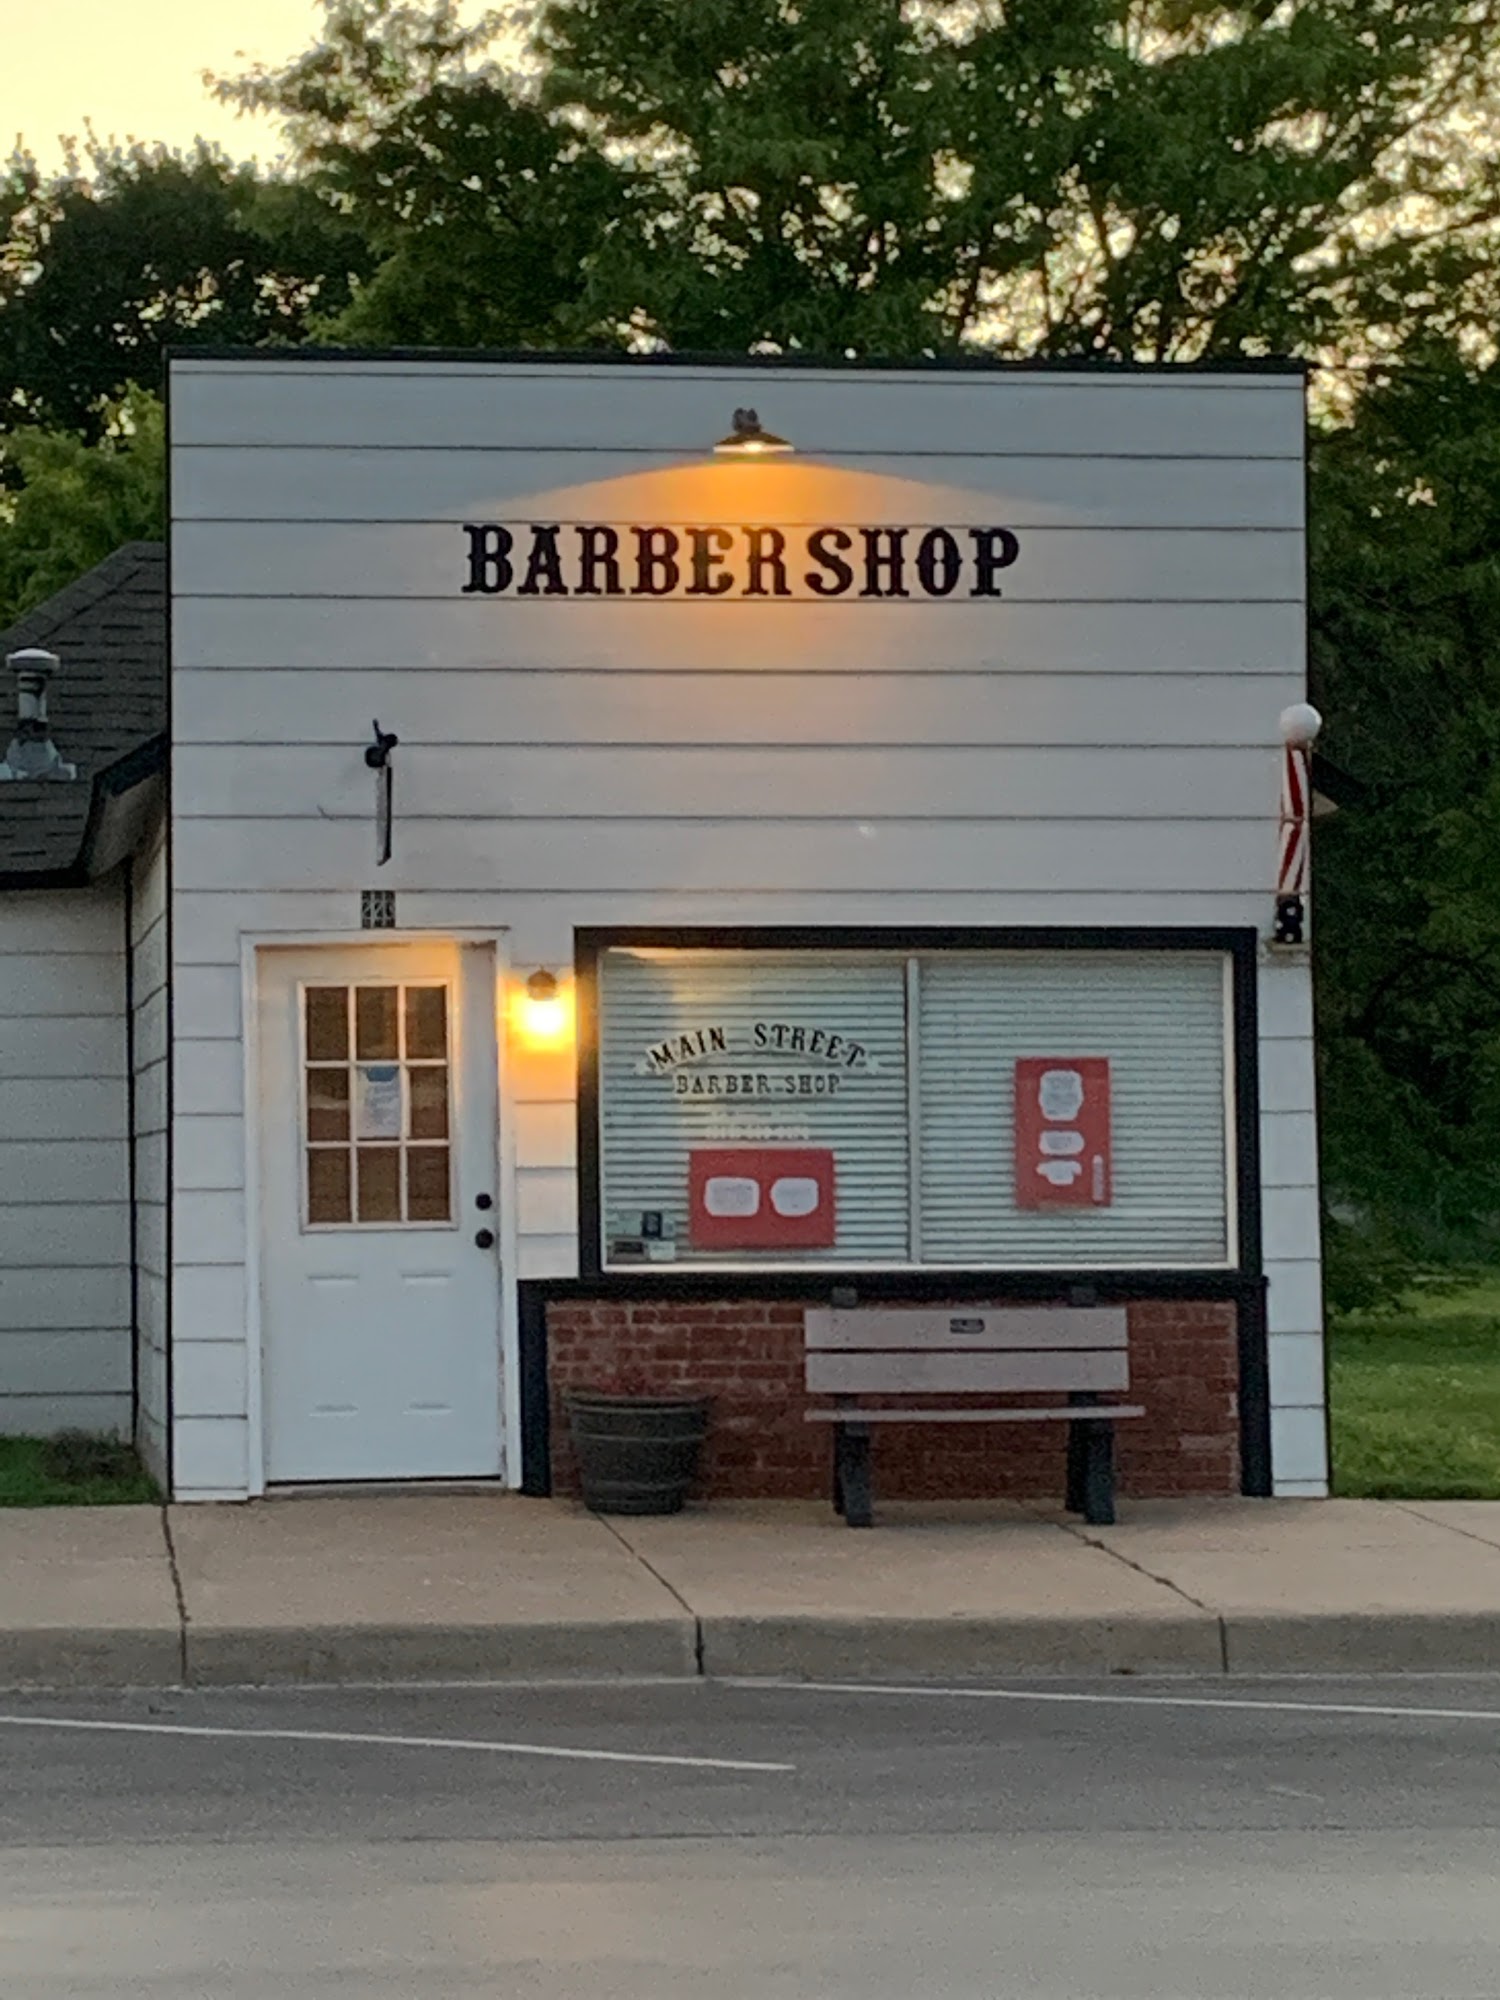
x: 134, y: 68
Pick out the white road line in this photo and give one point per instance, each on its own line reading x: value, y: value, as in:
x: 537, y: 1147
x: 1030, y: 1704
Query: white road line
x: 390, y: 1742
x: 929, y: 1693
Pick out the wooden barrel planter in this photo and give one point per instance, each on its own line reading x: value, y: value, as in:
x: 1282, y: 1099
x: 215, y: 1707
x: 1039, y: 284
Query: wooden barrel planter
x: 636, y: 1454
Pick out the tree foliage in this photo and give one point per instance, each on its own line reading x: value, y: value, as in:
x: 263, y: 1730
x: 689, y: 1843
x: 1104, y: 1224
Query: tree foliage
x: 127, y: 252
x: 1159, y: 179
x: 484, y: 211
x: 1406, y: 663
x: 74, y: 501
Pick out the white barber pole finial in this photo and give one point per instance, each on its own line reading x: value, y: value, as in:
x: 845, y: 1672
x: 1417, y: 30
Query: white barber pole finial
x: 1300, y: 725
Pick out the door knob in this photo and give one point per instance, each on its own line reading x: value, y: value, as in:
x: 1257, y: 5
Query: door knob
x: 484, y: 1239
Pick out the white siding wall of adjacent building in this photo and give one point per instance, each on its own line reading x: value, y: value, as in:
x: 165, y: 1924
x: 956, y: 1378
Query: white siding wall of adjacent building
x: 150, y: 1001
x: 1098, y: 748
x: 64, y: 1170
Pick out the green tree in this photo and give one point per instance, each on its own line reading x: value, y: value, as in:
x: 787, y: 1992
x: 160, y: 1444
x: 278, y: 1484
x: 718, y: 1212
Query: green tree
x: 74, y: 502
x: 1406, y: 664
x: 1158, y: 179
x: 125, y: 253
x: 485, y: 211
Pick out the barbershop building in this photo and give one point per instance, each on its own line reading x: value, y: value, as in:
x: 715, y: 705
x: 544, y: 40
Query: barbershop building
x: 627, y: 853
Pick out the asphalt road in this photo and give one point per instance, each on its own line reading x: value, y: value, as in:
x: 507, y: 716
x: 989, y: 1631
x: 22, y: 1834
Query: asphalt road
x: 1189, y: 1841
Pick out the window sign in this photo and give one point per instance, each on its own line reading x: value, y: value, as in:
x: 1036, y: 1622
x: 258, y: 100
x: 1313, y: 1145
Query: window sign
x: 761, y: 1198
x: 1062, y: 1132
x: 379, y: 1103
x: 906, y: 1110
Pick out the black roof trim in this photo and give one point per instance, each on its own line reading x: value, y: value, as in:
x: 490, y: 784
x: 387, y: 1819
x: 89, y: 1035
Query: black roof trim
x: 137, y: 767
x: 553, y: 357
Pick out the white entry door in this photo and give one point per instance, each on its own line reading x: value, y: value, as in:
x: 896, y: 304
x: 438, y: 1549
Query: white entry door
x: 379, y: 1266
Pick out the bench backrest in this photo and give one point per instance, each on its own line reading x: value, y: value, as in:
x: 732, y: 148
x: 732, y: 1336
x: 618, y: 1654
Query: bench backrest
x: 947, y: 1350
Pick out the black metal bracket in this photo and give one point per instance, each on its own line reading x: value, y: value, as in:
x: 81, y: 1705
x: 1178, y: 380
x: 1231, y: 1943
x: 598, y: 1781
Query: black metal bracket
x: 378, y: 758
x: 1291, y: 921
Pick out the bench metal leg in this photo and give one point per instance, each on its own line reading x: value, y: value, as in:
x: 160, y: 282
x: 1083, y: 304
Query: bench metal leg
x: 1098, y: 1473
x: 1091, y: 1463
x: 1073, y: 1493
x: 851, y: 1473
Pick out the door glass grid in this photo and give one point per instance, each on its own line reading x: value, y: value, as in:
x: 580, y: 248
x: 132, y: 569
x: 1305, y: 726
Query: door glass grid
x: 376, y: 1105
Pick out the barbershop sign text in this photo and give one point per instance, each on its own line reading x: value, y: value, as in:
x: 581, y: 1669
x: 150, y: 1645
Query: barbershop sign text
x: 573, y: 559
x: 716, y: 1062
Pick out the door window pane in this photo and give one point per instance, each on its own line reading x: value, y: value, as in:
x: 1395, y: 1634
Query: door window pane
x: 379, y: 1183
x: 327, y: 1024
x: 427, y: 1086
x: 426, y: 1023
x: 375, y: 1022
x: 328, y: 1103
x: 327, y: 1184
x: 427, y: 1184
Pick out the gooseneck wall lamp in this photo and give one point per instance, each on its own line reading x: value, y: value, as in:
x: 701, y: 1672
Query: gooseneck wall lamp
x: 749, y: 438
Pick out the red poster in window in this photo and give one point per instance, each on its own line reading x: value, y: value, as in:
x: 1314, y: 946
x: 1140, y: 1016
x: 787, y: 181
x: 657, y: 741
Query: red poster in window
x: 761, y: 1198
x: 1062, y: 1132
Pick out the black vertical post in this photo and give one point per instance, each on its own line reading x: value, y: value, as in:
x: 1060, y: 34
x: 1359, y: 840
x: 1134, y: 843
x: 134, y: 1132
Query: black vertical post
x: 536, y: 1404
x: 1255, y: 1392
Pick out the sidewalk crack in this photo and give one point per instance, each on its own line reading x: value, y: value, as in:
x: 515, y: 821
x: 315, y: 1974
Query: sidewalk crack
x: 666, y: 1583
x: 182, y: 1614
x: 1448, y: 1527
x: 1080, y: 1533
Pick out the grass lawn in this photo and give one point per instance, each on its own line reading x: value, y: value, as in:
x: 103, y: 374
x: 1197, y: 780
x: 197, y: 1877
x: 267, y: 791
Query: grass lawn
x: 1415, y: 1399
x: 71, y: 1471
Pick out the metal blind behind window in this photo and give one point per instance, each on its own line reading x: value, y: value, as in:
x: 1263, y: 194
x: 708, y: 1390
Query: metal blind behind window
x: 934, y: 1100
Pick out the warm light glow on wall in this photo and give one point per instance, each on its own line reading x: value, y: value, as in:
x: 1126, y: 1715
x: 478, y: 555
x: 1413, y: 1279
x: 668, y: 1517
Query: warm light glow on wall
x: 541, y: 1012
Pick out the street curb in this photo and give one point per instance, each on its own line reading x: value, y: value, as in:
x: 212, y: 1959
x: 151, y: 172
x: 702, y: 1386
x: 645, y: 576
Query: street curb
x: 957, y: 1648
x: 228, y: 1656
x: 108, y: 1656
x: 732, y: 1645
x: 1362, y: 1642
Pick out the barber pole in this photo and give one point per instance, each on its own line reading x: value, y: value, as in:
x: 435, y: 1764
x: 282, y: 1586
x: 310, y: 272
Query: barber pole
x: 1296, y: 820
x: 1300, y: 725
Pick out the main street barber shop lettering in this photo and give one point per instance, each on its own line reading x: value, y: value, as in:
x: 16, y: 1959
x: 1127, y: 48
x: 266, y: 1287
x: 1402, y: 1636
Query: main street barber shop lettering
x: 735, y: 1057
x: 584, y: 559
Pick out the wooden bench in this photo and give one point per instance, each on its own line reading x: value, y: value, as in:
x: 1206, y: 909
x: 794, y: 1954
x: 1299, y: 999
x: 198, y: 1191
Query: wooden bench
x: 1077, y: 1351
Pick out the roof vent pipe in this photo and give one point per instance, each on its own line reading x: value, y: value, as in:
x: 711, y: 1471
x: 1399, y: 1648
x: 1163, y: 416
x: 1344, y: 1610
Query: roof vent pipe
x: 33, y: 754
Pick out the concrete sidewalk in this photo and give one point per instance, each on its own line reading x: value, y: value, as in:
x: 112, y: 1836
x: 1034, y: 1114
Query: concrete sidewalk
x: 493, y: 1587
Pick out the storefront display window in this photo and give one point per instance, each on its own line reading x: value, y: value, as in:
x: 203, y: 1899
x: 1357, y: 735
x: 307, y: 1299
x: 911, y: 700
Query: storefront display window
x: 966, y: 1110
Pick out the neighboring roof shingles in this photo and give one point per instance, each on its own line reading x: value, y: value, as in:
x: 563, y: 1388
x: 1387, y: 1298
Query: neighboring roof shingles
x: 109, y: 629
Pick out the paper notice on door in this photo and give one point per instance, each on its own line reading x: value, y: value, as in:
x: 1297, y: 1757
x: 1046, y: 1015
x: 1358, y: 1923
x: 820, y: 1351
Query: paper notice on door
x: 378, y: 1114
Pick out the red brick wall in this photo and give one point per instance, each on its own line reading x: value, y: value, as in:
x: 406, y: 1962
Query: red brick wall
x: 748, y: 1357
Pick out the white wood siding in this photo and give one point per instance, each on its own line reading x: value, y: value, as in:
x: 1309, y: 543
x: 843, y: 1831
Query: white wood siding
x: 1099, y: 747
x: 151, y: 1002
x: 1290, y: 1228
x: 64, y: 1170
